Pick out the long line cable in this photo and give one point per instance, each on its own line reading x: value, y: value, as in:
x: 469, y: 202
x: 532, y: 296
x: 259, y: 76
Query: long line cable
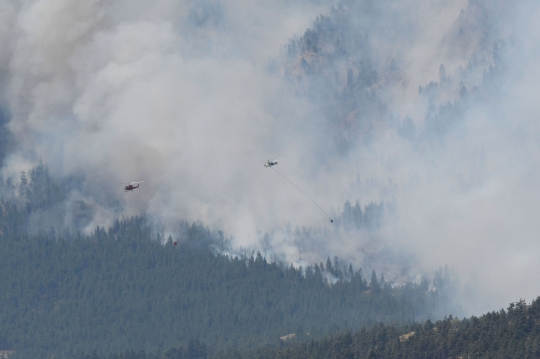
x: 305, y: 194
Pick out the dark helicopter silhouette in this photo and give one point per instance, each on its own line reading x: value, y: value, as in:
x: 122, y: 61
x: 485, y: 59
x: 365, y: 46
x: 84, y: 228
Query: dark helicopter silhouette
x: 270, y: 163
x: 131, y: 186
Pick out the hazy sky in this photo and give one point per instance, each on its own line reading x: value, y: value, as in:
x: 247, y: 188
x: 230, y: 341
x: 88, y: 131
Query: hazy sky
x: 178, y: 94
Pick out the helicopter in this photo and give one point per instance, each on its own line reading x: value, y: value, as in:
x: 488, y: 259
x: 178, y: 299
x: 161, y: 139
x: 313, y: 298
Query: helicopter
x: 270, y: 163
x: 131, y: 186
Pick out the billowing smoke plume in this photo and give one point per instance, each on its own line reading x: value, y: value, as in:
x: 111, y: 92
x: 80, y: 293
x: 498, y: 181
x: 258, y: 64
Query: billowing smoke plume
x: 427, y: 109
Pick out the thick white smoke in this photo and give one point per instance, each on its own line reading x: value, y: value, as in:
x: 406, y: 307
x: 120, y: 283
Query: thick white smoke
x: 175, y: 94
x: 179, y: 94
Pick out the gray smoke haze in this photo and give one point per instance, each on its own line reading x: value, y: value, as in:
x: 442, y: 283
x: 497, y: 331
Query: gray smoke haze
x: 192, y: 96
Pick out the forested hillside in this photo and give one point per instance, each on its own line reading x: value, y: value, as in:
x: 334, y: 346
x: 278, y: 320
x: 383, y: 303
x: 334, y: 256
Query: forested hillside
x: 126, y: 287
x: 418, y: 138
x: 342, y: 64
x: 120, y: 289
x: 514, y: 333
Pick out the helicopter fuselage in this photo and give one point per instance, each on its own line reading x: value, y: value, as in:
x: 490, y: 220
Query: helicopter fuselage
x: 130, y: 187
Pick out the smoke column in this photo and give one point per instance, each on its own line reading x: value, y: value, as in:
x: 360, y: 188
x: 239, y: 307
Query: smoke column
x: 191, y: 96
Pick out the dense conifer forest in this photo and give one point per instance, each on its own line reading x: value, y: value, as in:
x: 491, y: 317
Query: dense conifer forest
x: 130, y: 291
x: 511, y: 333
x: 121, y: 289
x: 126, y: 288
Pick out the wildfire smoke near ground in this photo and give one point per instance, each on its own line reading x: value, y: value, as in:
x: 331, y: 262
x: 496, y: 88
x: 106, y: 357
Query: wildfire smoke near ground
x: 413, y: 126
